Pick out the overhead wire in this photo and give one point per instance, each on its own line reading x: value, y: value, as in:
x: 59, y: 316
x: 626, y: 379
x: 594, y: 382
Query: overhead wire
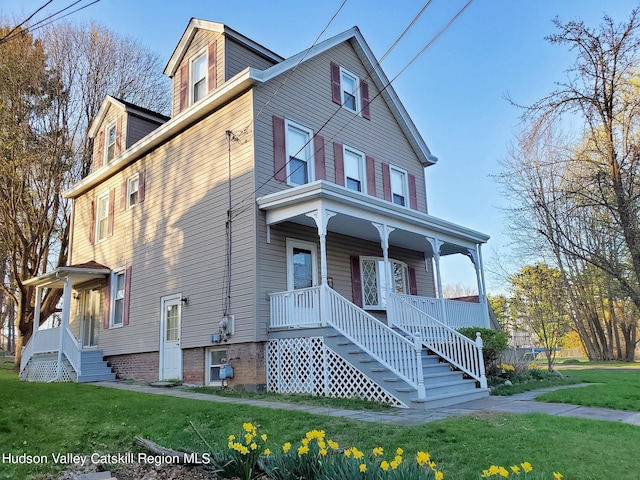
x: 25, y: 21
x: 411, y: 24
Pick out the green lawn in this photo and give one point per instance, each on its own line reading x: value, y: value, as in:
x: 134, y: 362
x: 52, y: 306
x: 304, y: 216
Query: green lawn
x: 41, y: 419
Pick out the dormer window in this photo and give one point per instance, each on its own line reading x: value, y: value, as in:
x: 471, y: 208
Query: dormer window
x: 198, y: 77
x: 110, y: 141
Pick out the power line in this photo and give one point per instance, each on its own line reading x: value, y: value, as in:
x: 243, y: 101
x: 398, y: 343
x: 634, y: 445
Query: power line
x: 28, y: 18
x: 41, y: 23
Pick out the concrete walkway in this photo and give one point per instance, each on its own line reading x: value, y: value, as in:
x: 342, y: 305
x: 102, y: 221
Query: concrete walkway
x: 519, y: 403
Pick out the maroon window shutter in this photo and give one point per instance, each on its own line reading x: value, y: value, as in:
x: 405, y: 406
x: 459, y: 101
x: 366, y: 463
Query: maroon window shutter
x: 356, y: 281
x: 118, y: 136
x: 371, y: 176
x: 107, y: 305
x: 386, y: 181
x: 364, y: 94
x: 413, y: 283
x: 413, y: 195
x: 92, y: 222
x: 123, y: 196
x: 141, y: 185
x: 279, y: 149
x: 338, y: 158
x: 321, y: 170
x: 213, y: 57
x: 111, y: 215
x: 99, y: 151
x: 336, y: 94
x: 184, y: 87
x: 127, y: 295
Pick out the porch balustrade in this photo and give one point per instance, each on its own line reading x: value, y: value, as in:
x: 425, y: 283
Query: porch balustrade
x: 48, y: 341
x: 295, y: 308
x: 458, y: 314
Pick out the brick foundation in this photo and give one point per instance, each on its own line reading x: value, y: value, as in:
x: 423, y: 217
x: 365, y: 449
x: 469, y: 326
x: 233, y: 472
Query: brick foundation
x: 140, y: 367
x: 249, y: 368
x: 193, y: 366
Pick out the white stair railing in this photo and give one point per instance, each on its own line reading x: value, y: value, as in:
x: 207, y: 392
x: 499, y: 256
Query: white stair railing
x: 295, y: 308
x: 397, y: 353
x: 48, y: 341
x: 446, y: 342
x: 71, y: 349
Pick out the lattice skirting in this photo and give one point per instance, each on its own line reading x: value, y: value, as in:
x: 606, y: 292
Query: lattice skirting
x: 308, y: 366
x: 45, y: 371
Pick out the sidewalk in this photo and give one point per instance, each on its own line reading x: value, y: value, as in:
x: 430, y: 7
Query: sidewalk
x: 519, y: 403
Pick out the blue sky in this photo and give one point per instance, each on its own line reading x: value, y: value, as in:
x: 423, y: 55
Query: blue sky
x: 455, y: 92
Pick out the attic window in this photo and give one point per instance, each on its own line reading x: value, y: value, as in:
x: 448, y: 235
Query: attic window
x: 349, y: 86
x: 110, y: 142
x: 198, y: 77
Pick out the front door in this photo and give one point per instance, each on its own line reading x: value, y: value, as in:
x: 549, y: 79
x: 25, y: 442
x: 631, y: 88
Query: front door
x: 302, y: 273
x: 91, y: 309
x: 170, y: 352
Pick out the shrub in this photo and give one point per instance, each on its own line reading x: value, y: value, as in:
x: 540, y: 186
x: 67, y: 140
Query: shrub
x: 494, y: 344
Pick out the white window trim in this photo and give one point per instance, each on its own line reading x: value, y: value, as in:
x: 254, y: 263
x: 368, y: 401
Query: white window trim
x: 101, y: 197
x: 311, y: 174
x: 109, y: 126
x: 382, y: 289
x: 405, y: 176
x: 208, y: 365
x: 292, y: 243
x: 112, y: 300
x: 356, y: 93
x: 132, y: 178
x: 201, y: 54
x: 363, y: 167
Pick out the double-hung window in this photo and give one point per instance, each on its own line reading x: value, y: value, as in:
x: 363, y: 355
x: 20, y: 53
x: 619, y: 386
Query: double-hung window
x: 117, y: 300
x: 110, y: 141
x: 133, y: 186
x: 198, y: 77
x: 299, y: 154
x: 102, y: 216
x: 375, y: 281
x: 349, y: 85
x: 399, y: 186
x: 354, y: 170
x: 215, y: 360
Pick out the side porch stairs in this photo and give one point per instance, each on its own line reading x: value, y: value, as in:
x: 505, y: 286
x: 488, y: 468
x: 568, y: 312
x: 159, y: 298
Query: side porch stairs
x: 42, y: 367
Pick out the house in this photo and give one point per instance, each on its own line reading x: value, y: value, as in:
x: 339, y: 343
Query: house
x: 274, y: 228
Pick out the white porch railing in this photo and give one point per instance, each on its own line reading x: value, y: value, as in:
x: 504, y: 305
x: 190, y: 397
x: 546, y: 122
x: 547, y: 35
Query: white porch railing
x: 48, y: 341
x: 399, y: 354
x: 295, y: 308
x: 452, y: 346
x: 458, y: 314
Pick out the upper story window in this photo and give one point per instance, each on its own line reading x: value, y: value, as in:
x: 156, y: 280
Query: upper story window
x: 349, y: 84
x: 375, y: 281
x: 299, y: 154
x: 198, y: 77
x: 399, y: 186
x: 110, y: 142
x: 102, y: 216
x: 354, y: 169
x: 133, y: 187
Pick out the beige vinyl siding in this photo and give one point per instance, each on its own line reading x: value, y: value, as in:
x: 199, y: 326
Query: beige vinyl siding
x: 273, y: 265
x: 199, y: 44
x: 306, y: 99
x: 175, y: 239
x: 138, y: 128
x: 238, y: 57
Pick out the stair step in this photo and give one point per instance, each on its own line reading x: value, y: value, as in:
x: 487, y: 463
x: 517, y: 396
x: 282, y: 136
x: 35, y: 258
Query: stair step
x: 97, y: 377
x: 379, y: 369
x: 438, y: 401
x: 356, y: 351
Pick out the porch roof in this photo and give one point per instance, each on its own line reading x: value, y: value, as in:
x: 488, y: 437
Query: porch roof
x: 354, y: 214
x: 78, y: 273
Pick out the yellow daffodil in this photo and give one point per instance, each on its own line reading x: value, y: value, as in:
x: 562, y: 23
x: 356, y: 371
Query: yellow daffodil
x: 526, y: 466
x: 423, y: 458
x: 263, y: 437
x: 303, y: 449
x: 439, y: 475
x: 558, y: 476
x: 286, y: 447
x: 515, y: 469
x: 266, y: 452
x: 363, y: 467
x: 378, y: 451
x: 332, y: 444
x: 399, y: 451
x: 384, y: 465
x: 323, y: 452
x: 493, y: 470
x: 503, y: 472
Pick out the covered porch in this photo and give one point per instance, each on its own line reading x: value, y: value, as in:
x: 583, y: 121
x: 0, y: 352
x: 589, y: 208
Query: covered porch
x: 384, y: 284
x: 55, y: 354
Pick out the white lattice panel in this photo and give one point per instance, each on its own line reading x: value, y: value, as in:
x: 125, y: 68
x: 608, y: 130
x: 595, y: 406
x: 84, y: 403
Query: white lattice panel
x: 307, y: 365
x: 45, y: 371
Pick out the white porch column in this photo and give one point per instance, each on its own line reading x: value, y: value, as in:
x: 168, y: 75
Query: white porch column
x: 384, y: 231
x: 321, y: 216
x: 484, y: 287
x: 476, y: 259
x: 66, y: 306
x: 36, y: 316
x: 435, y: 247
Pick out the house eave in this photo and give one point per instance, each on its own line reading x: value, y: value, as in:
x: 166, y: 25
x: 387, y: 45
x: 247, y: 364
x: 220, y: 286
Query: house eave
x: 56, y: 278
x: 242, y: 82
x: 331, y: 193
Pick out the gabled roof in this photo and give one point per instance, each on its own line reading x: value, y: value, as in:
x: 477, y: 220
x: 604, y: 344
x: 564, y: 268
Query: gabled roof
x: 125, y: 107
x: 189, y: 33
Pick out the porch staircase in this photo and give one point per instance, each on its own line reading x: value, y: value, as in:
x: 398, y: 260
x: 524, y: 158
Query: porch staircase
x: 43, y: 367
x: 444, y: 384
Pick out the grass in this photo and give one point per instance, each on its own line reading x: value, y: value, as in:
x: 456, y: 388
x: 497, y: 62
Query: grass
x: 41, y: 419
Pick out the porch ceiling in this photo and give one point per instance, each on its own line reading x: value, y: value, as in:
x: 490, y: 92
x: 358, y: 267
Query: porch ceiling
x: 57, y: 277
x: 353, y: 214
